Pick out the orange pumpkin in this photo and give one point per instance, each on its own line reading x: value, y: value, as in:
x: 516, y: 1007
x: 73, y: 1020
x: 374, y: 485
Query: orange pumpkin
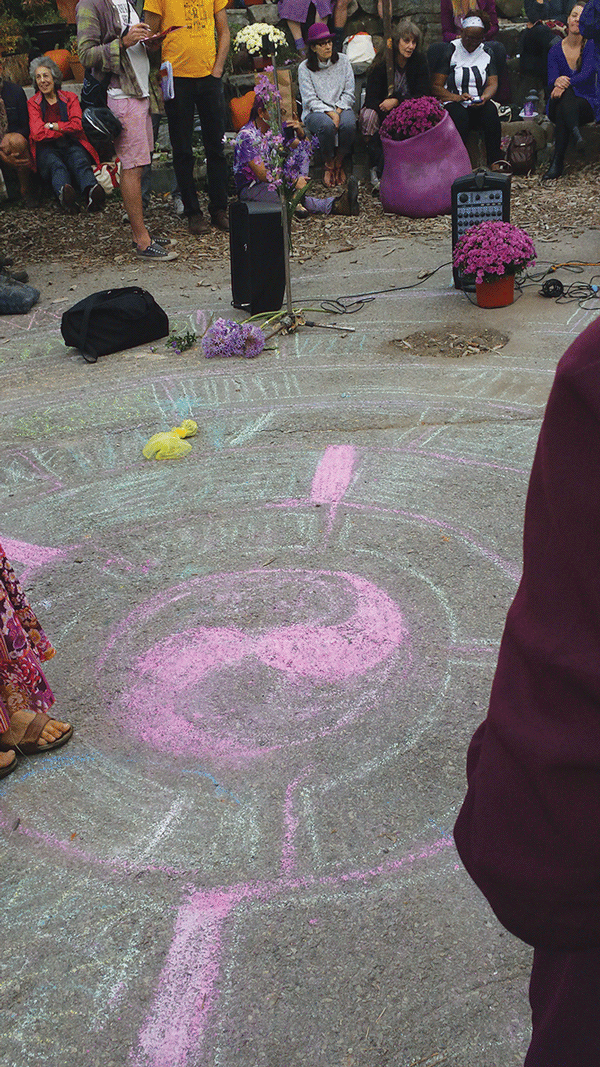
x: 240, y: 107
x: 62, y: 58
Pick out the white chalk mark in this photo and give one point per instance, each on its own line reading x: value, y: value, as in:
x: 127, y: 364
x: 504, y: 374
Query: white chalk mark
x: 254, y: 428
x: 159, y: 833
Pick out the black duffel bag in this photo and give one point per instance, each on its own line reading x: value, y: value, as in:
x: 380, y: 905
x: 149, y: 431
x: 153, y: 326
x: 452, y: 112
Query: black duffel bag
x: 113, y: 320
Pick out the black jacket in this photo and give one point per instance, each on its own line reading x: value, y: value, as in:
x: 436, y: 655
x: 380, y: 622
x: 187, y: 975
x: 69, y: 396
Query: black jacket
x: 417, y: 77
x: 15, y: 103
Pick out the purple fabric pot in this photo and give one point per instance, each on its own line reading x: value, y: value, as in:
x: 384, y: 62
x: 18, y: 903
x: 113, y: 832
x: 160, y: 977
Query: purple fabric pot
x: 418, y: 173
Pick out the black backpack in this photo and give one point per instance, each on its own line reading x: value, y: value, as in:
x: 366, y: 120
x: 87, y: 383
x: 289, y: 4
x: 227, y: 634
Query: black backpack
x: 113, y: 320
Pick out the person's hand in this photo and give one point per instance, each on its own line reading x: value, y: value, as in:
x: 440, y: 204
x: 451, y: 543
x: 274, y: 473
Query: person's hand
x: 464, y: 96
x: 295, y: 124
x: 217, y: 71
x: 563, y: 82
x: 388, y: 104
x: 135, y: 34
x: 335, y: 117
x: 477, y: 103
x: 301, y: 182
x: 556, y: 93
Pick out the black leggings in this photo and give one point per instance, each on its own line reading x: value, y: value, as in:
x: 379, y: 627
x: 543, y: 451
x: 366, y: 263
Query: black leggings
x: 566, y: 112
x: 484, y: 118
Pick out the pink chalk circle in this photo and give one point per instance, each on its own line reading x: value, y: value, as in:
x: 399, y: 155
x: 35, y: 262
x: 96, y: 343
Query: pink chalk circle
x: 237, y: 665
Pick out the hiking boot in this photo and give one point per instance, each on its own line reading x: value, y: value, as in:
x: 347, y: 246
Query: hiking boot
x: 198, y: 225
x: 220, y: 220
x: 347, y: 203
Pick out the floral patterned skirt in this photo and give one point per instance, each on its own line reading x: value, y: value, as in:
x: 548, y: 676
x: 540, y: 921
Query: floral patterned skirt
x: 23, y: 647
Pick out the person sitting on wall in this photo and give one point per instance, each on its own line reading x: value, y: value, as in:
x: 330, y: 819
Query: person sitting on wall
x: 60, y: 150
x: 251, y: 168
x: 465, y: 81
x: 14, y: 137
x: 411, y: 79
x: 547, y: 21
x: 453, y: 13
x: 326, y: 83
x: 572, y: 84
x: 295, y: 12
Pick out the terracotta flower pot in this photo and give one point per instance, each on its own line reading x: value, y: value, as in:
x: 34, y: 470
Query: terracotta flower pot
x: 497, y: 291
x: 418, y: 173
x: 77, y: 70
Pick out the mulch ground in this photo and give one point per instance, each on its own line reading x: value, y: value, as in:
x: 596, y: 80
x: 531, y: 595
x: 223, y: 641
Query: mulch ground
x: 548, y: 211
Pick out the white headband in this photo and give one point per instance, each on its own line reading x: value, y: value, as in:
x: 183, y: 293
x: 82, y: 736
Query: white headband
x: 472, y: 20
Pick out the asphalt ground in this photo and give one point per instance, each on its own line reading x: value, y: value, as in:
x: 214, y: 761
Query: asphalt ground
x: 274, y: 651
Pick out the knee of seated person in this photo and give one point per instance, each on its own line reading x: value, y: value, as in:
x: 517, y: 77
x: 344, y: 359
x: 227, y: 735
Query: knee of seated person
x: 15, y: 150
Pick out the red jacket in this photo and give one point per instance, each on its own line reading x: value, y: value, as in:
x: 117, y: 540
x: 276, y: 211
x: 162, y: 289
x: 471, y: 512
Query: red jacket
x: 72, y: 127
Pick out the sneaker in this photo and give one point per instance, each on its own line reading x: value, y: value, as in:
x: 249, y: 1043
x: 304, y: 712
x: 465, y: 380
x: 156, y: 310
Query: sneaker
x: 155, y: 253
x: 220, y: 220
x: 347, y: 203
x: 68, y: 200
x: 198, y: 225
x: 375, y: 182
x: 95, y: 198
x: 162, y: 242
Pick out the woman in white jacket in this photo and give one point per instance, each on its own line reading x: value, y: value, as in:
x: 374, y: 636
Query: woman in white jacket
x: 326, y: 82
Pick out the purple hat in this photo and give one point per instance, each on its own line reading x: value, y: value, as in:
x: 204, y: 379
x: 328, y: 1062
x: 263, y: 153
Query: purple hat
x: 318, y: 33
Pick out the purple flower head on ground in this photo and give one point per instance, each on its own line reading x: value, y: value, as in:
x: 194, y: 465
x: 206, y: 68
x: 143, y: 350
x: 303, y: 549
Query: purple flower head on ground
x: 226, y: 338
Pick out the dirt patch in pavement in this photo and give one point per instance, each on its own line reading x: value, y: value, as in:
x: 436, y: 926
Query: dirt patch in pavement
x: 453, y: 342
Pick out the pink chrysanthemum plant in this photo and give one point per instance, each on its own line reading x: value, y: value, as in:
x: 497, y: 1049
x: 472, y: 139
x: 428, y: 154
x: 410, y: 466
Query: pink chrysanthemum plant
x: 493, y: 249
x: 411, y: 118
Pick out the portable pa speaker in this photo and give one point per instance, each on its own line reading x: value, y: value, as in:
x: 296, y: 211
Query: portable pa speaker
x: 257, y: 256
x: 478, y: 197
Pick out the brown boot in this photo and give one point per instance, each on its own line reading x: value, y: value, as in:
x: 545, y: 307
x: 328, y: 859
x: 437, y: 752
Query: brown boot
x: 347, y: 203
x: 198, y: 225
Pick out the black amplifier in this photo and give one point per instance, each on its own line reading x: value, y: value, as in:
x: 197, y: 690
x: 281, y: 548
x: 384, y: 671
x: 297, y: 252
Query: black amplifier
x: 478, y: 197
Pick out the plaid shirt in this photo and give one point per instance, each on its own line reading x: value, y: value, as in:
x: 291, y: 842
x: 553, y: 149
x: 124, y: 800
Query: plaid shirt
x: 99, y: 45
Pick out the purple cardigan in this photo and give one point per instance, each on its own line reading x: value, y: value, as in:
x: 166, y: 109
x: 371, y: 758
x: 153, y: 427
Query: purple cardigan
x: 451, y: 30
x: 529, y: 829
x: 583, y: 82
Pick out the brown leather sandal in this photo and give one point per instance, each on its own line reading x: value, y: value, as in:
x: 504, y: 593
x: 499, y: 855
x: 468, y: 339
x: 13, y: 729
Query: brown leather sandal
x: 27, y: 744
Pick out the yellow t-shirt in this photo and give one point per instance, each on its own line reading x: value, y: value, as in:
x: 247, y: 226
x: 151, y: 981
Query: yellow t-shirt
x: 192, y: 50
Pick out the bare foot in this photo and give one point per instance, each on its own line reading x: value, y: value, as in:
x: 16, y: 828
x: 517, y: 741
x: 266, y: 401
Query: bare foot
x: 52, y: 731
x: 6, y: 758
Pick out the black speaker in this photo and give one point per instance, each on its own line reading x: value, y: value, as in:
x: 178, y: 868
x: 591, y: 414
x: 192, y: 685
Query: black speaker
x: 257, y: 256
x: 478, y: 197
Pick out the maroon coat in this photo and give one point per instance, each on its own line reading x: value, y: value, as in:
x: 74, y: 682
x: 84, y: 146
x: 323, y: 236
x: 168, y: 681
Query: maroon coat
x: 529, y: 829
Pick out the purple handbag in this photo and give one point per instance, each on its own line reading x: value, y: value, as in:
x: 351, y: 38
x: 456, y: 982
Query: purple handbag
x: 418, y: 173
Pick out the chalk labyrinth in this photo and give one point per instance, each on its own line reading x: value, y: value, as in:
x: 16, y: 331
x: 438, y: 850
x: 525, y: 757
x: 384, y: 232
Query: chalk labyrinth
x: 255, y: 682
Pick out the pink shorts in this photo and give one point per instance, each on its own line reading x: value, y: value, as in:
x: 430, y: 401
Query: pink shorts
x: 136, y: 143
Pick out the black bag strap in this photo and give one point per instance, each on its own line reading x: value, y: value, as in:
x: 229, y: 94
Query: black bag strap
x: 81, y: 334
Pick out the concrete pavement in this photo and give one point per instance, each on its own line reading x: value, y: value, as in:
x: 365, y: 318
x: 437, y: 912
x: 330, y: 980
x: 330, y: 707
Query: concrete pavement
x: 275, y: 651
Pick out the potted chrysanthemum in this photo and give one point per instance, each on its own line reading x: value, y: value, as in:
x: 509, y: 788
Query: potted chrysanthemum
x: 253, y: 39
x: 491, y: 254
x: 423, y: 154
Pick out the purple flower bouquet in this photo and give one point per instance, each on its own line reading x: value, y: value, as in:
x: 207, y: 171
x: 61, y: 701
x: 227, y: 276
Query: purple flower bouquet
x: 412, y: 117
x: 493, y: 249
